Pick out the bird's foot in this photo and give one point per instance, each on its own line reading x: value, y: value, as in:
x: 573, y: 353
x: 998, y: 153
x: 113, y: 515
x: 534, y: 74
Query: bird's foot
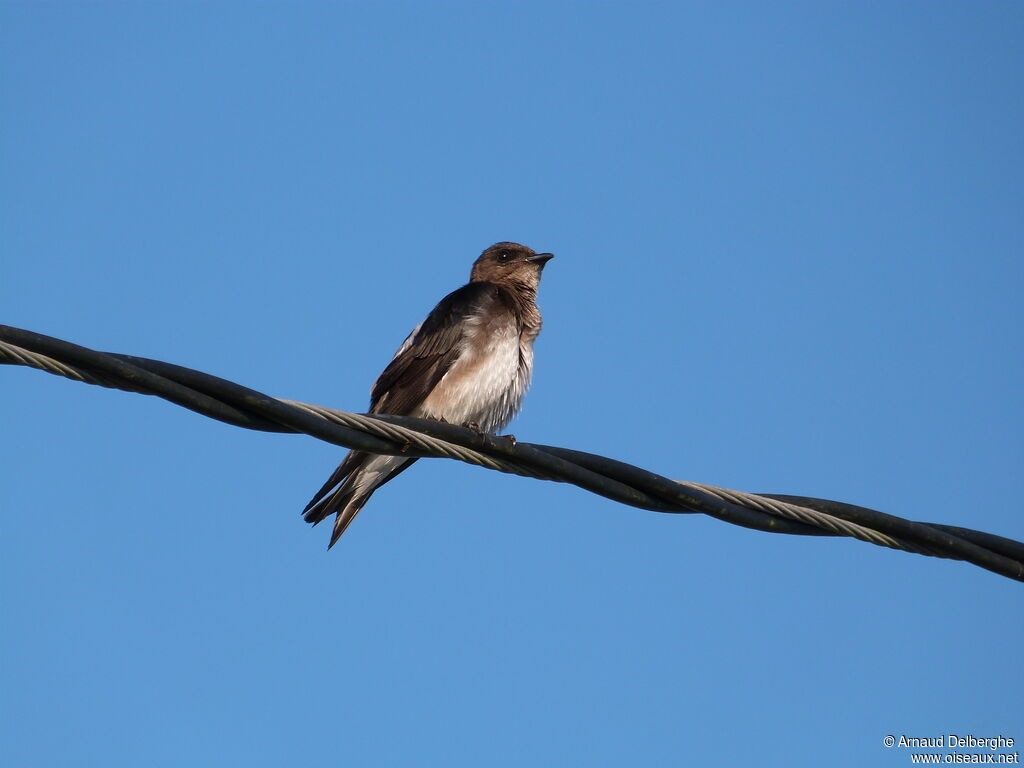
x: 473, y: 426
x: 510, y: 438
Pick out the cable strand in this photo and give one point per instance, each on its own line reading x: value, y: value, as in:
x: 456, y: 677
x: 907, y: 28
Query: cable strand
x: 241, y: 406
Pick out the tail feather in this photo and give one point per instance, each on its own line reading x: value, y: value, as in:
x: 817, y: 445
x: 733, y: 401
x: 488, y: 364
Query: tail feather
x: 345, y: 517
x: 352, y: 461
x: 359, y: 475
x: 328, y: 505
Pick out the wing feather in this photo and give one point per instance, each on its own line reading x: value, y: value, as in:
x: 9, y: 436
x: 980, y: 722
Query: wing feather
x: 430, y: 352
x: 420, y: 363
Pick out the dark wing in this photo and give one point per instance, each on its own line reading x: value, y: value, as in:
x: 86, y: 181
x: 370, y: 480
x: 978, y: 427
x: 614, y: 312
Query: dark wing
x: 415, y: 370
x: 430, y: 352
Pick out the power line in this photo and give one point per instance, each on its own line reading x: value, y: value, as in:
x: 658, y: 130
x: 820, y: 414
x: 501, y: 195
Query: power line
x: 400, y: 435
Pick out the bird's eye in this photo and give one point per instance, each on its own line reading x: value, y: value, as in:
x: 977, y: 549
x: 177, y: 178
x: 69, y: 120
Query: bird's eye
x: 503, y: 256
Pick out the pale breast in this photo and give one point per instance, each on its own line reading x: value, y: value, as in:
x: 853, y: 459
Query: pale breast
x: 487, y: 383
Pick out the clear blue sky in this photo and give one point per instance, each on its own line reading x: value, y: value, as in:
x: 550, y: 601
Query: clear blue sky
x: 790, y: 251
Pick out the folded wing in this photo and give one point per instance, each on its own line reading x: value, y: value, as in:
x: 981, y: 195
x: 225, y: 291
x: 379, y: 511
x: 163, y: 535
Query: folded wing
x: 420, y: 363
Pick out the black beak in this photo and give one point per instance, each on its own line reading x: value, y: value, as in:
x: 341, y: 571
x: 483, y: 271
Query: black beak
x: 540, y: 258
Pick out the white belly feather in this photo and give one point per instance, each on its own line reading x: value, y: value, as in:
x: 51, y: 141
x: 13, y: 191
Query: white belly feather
x: 486, y: 385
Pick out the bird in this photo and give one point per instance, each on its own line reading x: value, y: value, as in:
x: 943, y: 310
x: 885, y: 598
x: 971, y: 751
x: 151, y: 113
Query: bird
x: 469, y: 362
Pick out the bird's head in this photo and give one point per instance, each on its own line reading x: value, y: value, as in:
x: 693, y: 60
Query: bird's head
x: 510, y: 264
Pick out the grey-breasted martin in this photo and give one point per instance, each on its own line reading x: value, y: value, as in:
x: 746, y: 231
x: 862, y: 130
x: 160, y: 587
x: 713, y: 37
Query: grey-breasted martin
x: 468, y: 363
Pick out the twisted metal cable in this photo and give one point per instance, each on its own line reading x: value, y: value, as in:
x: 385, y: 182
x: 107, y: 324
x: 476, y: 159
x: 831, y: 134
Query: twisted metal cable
x: 234, y: 404
x: 441, y: 449
x: 11, y: 354
x: 812, y: 517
